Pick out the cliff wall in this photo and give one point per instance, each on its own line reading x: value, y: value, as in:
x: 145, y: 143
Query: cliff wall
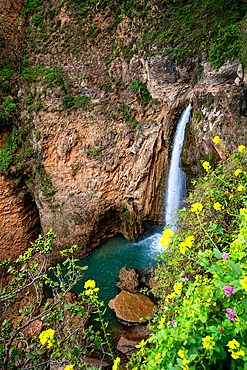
x: 98, y: 116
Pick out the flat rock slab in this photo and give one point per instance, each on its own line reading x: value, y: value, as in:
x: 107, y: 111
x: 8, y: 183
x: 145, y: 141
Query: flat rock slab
x: 129, y: 307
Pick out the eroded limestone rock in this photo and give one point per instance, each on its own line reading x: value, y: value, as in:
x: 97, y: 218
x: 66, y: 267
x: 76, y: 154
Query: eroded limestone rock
x: 128, y: 279
x: 130, y: 308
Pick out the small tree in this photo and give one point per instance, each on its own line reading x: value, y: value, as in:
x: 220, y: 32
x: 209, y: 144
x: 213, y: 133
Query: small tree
x: 35, y: 332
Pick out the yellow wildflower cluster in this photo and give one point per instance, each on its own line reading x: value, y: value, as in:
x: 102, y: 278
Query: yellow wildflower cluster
x: 69, y: 367
x: 187, y: 243
x: 237, y: 172
x: 207, y: 342
x: 206, y: 166
x: 47, y: 337
x: 216, y: 140
x: 90, y: 287
x: 178, y: 288
x: 161, y: 322
x: 243, y: 282
x: 241, y: 148
x: 196, y: 207
x: 170, y: 296
x: 181, y: 353
x: 166, y: 237
x: 243, y: 211
x: 116, y: 363
x: 218, y: 206
x: 185, y: 362
x: 240, y: 187
x: 233, y: 344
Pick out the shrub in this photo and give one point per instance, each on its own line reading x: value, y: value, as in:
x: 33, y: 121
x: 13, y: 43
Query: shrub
x: 68, y: 101
x: 63, y: 336
x: 201, y: 278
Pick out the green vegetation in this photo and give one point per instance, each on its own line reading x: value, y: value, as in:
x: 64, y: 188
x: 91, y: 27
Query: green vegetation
x: 201, y: 278
x: 65, y: 336
x: 140, y: 88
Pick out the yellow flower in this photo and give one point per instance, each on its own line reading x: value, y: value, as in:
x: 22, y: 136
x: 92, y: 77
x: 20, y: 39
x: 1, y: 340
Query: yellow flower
x: 208, y: 251
x: 240, y: 187
x: 178, y: 288
x: 189, y: 241
x: 207, y: 342
x: 206, y: 166
x: 237, y: 172
x: 243, y: 282
x: 185, y: 361
x: 69, y: 367
x: 170, y: 296
x: 47, y: 337
x: 241, y: 353
x: 218, y: 206
x: 241, y: 148
x: 116, y: 363
x: 243, y: 211
x: 89, y: 284
x: 181, y: 353
x: 233, y: 344
x: 161, y: 322
x: 216, y: 140
x: 196, y: 207
x: 182, y: 247
x: 90, y: 287
x: 166, y: 237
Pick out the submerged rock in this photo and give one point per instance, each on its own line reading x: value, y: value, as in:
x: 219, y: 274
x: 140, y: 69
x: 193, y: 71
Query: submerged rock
x: 128, y: 279
x: 130, y: 308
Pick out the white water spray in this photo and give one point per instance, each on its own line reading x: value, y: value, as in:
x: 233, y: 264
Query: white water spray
x: 176, y: 185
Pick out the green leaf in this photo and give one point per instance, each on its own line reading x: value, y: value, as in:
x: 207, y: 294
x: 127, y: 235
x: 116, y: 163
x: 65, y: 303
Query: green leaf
x: 41, y: 351
x: 68, y: 306
x: 217, y: 253
x: 235, y: 267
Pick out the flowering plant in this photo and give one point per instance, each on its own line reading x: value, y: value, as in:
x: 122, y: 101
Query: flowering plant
x: 201, y: 279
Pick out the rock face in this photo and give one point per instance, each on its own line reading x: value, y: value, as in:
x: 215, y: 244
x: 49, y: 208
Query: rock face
x: 128, y: 280
x: 19, y: 222
x: 126, y: 346
x: 129, y: 307
x: 106, y: 149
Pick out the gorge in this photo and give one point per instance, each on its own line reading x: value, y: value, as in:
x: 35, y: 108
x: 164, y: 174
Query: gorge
x: 105, y: 107
x: 93, y: 155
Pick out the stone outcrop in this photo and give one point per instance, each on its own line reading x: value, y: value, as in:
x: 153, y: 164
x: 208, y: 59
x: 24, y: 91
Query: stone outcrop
x: 128, y: 279
x: 130, y: 308
x: 107, y: 160
x: 19, y: 222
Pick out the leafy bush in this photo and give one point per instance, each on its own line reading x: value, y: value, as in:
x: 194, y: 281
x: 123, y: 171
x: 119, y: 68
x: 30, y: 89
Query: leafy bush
x: 61, y: 325
x: 201, y: 279
x: 68, y: 101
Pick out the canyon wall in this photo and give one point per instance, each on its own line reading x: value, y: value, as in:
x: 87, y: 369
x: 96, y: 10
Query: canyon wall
x: 104, y: 130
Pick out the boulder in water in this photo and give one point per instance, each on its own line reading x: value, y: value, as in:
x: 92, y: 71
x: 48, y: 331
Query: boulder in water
x: 128, y: 279
x: 129, y: 307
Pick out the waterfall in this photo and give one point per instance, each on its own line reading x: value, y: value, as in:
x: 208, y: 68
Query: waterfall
x: 176, y: 185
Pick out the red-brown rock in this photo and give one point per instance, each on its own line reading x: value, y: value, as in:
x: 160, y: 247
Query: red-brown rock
x: 130, y: 308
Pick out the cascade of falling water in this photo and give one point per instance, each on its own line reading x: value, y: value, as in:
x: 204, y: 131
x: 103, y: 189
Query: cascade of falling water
x: 176, y: 185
